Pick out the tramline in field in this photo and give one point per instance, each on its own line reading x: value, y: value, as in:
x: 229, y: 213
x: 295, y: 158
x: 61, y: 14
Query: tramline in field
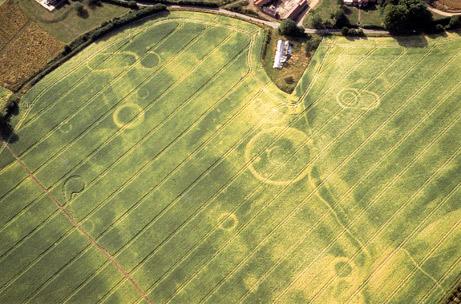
x: 161, y: 165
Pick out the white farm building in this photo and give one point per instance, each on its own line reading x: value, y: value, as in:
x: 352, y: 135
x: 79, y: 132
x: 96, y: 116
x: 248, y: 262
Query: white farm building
x: 282, y: 53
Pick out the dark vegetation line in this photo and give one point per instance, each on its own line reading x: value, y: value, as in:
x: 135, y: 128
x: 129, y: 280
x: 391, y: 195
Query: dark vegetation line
x: 74, y: 222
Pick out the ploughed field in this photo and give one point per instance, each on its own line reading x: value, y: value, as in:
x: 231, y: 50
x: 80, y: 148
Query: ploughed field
x: 161, y: 165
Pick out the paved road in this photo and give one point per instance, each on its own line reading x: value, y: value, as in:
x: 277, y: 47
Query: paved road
x: 272, y: 24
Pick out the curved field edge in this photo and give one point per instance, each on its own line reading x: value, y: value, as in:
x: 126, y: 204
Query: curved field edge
x: 168, y: 147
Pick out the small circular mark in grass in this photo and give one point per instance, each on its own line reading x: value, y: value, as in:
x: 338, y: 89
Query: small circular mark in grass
x: 65, y: 127
x: 73, y: 186
x: 143, y: 93
x: 128, y: 115
x: 150, y: 60
x: 279, y: 156
x: 348, y: 97
x: 343, y: 269
x: 227, y: 221
x: 361, y: 99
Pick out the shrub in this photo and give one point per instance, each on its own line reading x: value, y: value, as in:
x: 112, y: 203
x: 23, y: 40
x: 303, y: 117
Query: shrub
x: 341, y: 19
x: 312, y: 45
x: 80, y: 9
x: 455, y: 21
x: 317, y: 21
x: 439, y: 28
x: 289, y: 80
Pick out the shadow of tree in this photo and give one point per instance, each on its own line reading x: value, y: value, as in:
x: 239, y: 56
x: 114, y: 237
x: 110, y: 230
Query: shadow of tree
x: 7, y: 133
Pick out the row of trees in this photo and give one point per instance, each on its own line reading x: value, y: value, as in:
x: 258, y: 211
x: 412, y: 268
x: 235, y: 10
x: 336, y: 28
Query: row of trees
x: 410, y: 16
x: 407, y: 16
x: 400, y: 17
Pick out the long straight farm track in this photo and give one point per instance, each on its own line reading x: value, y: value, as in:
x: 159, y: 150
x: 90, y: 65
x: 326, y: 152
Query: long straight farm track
x: 161, y: 165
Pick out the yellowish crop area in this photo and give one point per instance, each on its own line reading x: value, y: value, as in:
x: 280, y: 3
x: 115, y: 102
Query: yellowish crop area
x: 161, y: 165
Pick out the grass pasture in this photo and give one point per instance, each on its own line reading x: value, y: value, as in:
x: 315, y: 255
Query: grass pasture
x: 64, y: 23
x: 162, y: 165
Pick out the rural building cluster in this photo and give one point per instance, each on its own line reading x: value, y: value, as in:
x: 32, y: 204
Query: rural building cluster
x: 282, y: 9
x: 282, y: 54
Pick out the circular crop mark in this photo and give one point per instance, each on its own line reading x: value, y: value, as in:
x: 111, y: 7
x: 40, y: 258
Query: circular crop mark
x: 65, y: 127
x: 128, y: 115
x: 361, y: 99
x: 343, y: 269
x: 348, y: 97
x: 279, y: 156
x: 227, y: 221
x: 73, y: 186
x: 143, y: 93
x: 150, y: 60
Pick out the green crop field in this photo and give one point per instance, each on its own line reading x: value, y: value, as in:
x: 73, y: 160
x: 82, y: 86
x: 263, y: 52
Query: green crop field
x: 161, y: 165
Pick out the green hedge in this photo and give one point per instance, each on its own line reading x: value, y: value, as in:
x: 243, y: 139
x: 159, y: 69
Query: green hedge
x: 129, y: 4
x: 196, y: 3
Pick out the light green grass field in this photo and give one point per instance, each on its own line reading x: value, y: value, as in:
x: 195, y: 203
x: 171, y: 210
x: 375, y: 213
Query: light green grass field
x: 162, y: 166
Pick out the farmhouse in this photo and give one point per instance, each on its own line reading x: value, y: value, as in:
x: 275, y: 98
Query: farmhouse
x: 282, y: 54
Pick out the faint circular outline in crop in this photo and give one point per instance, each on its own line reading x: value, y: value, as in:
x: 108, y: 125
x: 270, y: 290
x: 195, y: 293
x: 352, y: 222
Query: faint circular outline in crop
x: 136, y: 121
x: 291, y: 134
x: 227, y: 217
x: 157, y: 63
x: 348, y: 97
x: 65, y: 127
x: 351, y: 98
x: 143, y: 93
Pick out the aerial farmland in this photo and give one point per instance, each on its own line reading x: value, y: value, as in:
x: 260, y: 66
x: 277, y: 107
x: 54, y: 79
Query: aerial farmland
x: 159, y: 162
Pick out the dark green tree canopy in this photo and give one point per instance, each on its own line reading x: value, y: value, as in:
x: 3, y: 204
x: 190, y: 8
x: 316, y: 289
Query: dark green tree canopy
x: 289, y: 28
x: 407, y: 16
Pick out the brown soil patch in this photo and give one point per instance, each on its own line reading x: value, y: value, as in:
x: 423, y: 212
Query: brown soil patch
x: 448, y: 5
x: 25, y: 48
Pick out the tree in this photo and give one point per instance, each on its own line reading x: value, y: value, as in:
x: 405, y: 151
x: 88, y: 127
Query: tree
x: 317, y: 21
x: 341, y: 19
x: 80, y: 9
x: 407, y: 16
x: 419, y: 17
x: 395, y: 19
x: 289, y: 28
